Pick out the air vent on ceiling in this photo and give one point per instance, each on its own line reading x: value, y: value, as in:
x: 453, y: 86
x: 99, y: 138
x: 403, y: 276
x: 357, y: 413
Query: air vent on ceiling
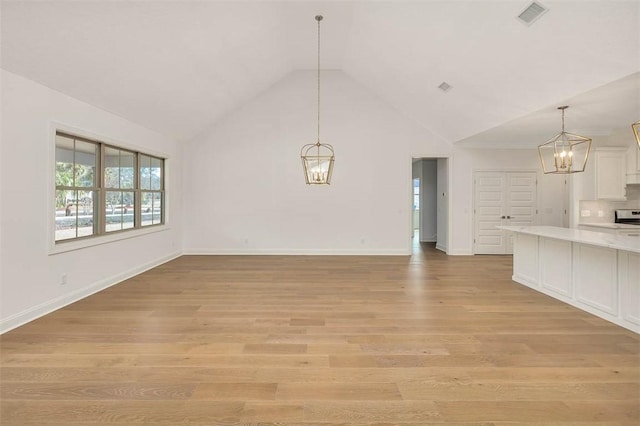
x: 445, y: 87
x: 532, y: 13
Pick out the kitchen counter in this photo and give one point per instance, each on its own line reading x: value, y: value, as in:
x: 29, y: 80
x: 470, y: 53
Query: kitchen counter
x: 612, y: 225
x: 618, y: 242
x: 597, y: 272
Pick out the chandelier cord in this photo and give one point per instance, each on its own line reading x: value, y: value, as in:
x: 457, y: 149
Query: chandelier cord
x: 318, y: 18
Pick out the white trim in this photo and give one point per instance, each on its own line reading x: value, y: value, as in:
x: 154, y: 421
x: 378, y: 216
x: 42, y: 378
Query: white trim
x: 294, y: 252
x: 72, y: 245
x: 441, y: 248
x: 82, y: 133
x: 77, y: 244
x: 449, y: 158
x: 460, y: 252
x: 474, y: 172
x: 30, y: 314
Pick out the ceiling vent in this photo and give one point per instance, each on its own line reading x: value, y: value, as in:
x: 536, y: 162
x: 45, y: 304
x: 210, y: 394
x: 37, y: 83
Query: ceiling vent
x: 445, y: 87
x: 532, y: 13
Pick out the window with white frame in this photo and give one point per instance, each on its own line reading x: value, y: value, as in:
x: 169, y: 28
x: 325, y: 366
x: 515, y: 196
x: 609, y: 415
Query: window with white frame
x: 103, y: 189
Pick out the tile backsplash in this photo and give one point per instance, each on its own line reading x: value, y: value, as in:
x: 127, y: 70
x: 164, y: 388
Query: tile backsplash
x: 596, y: 207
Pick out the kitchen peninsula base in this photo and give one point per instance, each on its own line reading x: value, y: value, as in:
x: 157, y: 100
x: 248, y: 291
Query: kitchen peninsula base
x: 596, y: 272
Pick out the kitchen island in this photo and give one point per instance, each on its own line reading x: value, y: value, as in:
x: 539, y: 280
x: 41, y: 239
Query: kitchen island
x: 594, y: 271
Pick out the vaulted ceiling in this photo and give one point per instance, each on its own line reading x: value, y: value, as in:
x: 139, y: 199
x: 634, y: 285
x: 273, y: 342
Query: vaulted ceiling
x: 178, y: 67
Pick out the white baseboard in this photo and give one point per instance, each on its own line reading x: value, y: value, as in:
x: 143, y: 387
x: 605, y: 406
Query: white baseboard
x: 458, y: 252
x: 30, y: 314
x: 303, y: 252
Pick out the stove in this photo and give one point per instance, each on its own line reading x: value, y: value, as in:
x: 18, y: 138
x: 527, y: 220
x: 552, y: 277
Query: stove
x: 628, y: 216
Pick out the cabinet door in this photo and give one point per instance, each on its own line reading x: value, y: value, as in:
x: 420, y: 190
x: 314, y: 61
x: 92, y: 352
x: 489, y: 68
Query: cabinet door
x: 610, y: 174
x: 633, y: 165
x: 595, y: 273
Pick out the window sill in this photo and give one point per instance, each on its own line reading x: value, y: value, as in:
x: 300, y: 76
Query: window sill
x: 64, y: 247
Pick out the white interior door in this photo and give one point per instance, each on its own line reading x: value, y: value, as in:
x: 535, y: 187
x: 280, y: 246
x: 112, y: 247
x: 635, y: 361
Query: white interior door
x: 489, y: 194
x: 502, y: 198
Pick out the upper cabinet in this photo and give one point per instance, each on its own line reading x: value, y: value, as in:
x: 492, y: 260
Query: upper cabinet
x: 611, y: 173
x: 633, y: 164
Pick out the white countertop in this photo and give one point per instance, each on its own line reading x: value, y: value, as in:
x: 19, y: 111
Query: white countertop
x: 612, y: 225
x: 618, y: 242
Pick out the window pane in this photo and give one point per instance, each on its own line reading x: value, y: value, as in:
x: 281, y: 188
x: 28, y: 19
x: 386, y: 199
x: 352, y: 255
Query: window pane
x: 128, y: 211
x: 85, y: 163
x: 126, y: 169
x: 119, y: 210
x: 147, y: 208
x: 151, y: 208
x: 145, y: 172
x: 74, y: 214
x: 64, y: 161
x: 157, y: 208
x: 85, y: 213
x: 111, y: 167
x: 65, y: 215
x: 156, y: 173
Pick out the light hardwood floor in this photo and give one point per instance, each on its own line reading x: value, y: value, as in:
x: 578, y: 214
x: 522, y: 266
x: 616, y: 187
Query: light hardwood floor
x: 427, y: 339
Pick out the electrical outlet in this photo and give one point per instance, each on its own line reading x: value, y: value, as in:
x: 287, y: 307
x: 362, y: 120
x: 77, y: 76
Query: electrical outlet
x: 63, y: 279
x: 600, y: 213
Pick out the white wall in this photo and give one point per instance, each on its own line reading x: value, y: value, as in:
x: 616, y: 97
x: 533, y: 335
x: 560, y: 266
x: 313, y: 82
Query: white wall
x: 466, y: 161
x: 428, y: 200
x: 244, y: 180
x: 30, y: 275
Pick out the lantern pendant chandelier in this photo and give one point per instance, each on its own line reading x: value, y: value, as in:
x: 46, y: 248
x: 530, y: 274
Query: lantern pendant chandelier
x: 565, y: 152
x: 636, y: 131
x: 318, y: 158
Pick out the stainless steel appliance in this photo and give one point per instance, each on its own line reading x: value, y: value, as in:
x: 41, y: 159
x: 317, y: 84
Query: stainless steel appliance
x: 628, y: 216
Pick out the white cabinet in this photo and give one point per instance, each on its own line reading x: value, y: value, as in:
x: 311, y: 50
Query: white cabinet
x: 633, y: 165
x: 526, y: 269
x: 555, y: 267
x: 611, y: 166
x: 601, y: 280
x: 629, y: 266
x: 596, y: 278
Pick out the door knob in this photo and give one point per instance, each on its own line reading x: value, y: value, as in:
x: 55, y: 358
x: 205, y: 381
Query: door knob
x: 509, y: 217
x: 503, y: 217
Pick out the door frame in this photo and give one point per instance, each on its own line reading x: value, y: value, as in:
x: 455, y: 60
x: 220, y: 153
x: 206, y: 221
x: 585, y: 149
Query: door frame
x: 409, y: 216
x: 473, y: 195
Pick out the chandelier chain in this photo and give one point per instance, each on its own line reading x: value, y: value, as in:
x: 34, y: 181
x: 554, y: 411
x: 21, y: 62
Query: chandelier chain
x: 318, y: 79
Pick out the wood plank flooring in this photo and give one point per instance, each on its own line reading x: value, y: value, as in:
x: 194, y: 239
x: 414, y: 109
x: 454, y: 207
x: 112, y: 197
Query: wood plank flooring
x: 305, y: 340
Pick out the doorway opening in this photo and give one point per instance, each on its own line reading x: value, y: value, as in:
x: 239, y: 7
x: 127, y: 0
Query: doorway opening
x: 429, y: 199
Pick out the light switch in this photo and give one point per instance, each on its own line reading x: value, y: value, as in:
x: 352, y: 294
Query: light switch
x: 585, y: 213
